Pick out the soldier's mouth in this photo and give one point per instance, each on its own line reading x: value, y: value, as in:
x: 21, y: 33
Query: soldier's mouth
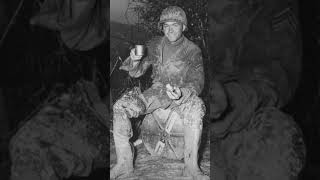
x: 171, y: 36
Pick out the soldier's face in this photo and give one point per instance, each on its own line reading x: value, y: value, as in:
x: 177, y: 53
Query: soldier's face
x: 173, y: 30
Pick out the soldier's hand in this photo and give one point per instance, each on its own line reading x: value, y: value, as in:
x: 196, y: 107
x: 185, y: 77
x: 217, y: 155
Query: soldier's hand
x: 173, y: 92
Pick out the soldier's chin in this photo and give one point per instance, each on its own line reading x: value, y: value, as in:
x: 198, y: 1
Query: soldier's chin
x: 172, y: 39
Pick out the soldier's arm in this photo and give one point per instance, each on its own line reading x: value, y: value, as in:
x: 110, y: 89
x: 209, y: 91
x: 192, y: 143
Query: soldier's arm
x: 141, y: 67
x: 195, y: 74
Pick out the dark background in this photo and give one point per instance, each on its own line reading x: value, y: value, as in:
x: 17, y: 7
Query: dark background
x: 305, y: 106
x: 32, y: 62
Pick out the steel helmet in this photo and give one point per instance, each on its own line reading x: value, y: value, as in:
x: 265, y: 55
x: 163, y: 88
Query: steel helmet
x: 173, y: 13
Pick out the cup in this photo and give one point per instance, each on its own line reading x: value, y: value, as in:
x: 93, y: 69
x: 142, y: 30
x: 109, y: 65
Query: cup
x: 139, y: 50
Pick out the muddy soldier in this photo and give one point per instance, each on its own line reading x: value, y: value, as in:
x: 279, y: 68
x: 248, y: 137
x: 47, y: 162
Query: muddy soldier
x: 171, y: 102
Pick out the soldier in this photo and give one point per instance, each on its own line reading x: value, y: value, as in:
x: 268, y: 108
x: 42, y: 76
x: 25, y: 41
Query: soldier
x: 178, y: 79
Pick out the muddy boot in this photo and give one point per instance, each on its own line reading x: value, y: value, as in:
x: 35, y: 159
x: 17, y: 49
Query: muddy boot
x: 128, y: 106
x: 124, y: 166
x: 122, y: 132
x: 192, y: 142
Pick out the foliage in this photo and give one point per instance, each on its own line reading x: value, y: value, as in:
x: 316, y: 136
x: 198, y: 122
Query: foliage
x: 196, y: 10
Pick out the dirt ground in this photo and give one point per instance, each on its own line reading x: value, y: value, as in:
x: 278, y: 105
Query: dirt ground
x: 148, y: 167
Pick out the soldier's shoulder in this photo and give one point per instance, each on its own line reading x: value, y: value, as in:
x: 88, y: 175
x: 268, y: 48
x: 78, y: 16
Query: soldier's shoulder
x: 192, y: 46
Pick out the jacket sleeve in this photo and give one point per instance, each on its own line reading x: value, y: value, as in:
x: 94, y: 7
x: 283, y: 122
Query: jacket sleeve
x: 195, y: 73
x: 142, y: 67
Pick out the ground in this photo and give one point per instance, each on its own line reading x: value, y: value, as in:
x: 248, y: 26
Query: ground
x: 155, y: 168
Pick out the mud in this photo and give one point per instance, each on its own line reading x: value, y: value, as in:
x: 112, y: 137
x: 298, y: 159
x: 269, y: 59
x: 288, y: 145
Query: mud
x: 149, y: 167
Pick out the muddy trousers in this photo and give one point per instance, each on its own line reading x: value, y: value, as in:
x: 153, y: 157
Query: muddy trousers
x: 131, y: 105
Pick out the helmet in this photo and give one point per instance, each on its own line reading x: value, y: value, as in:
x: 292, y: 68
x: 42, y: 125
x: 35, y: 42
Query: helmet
x: 172, y: 13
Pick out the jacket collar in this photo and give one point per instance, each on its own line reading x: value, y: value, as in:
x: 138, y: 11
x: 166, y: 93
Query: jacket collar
x: 165, y: 42
x: 175, y: 44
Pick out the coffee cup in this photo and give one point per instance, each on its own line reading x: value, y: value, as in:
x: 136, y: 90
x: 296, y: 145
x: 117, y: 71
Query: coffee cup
x: 139, y: 50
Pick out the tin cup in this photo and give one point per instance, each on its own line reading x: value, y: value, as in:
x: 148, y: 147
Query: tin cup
x: 139, y: 50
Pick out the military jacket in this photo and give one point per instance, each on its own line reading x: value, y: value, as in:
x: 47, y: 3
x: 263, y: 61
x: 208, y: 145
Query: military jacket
x: 182, y: 68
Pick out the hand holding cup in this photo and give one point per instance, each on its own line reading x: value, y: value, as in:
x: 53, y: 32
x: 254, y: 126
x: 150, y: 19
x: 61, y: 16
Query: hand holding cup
x: 136, y: 54
x: 134, y: 59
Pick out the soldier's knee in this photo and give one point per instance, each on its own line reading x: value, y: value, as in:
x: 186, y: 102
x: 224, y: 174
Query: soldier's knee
x: 132, y: 106
x: 118, y: 105
x: 195, y: 112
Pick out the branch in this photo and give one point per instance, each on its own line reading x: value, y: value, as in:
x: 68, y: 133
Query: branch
x: 12, y: 20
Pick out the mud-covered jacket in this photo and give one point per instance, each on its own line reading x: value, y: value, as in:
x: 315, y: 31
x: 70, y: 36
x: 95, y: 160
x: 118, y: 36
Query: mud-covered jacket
x: 183, y: 68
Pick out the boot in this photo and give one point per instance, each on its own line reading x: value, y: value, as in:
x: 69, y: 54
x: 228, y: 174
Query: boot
x: 124, y: 165
x: 192, y: 143
x: 124, y: 153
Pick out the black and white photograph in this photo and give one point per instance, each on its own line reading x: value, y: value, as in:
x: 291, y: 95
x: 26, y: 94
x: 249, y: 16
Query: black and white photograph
x: 159, y: 90
x: 159, y: 128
